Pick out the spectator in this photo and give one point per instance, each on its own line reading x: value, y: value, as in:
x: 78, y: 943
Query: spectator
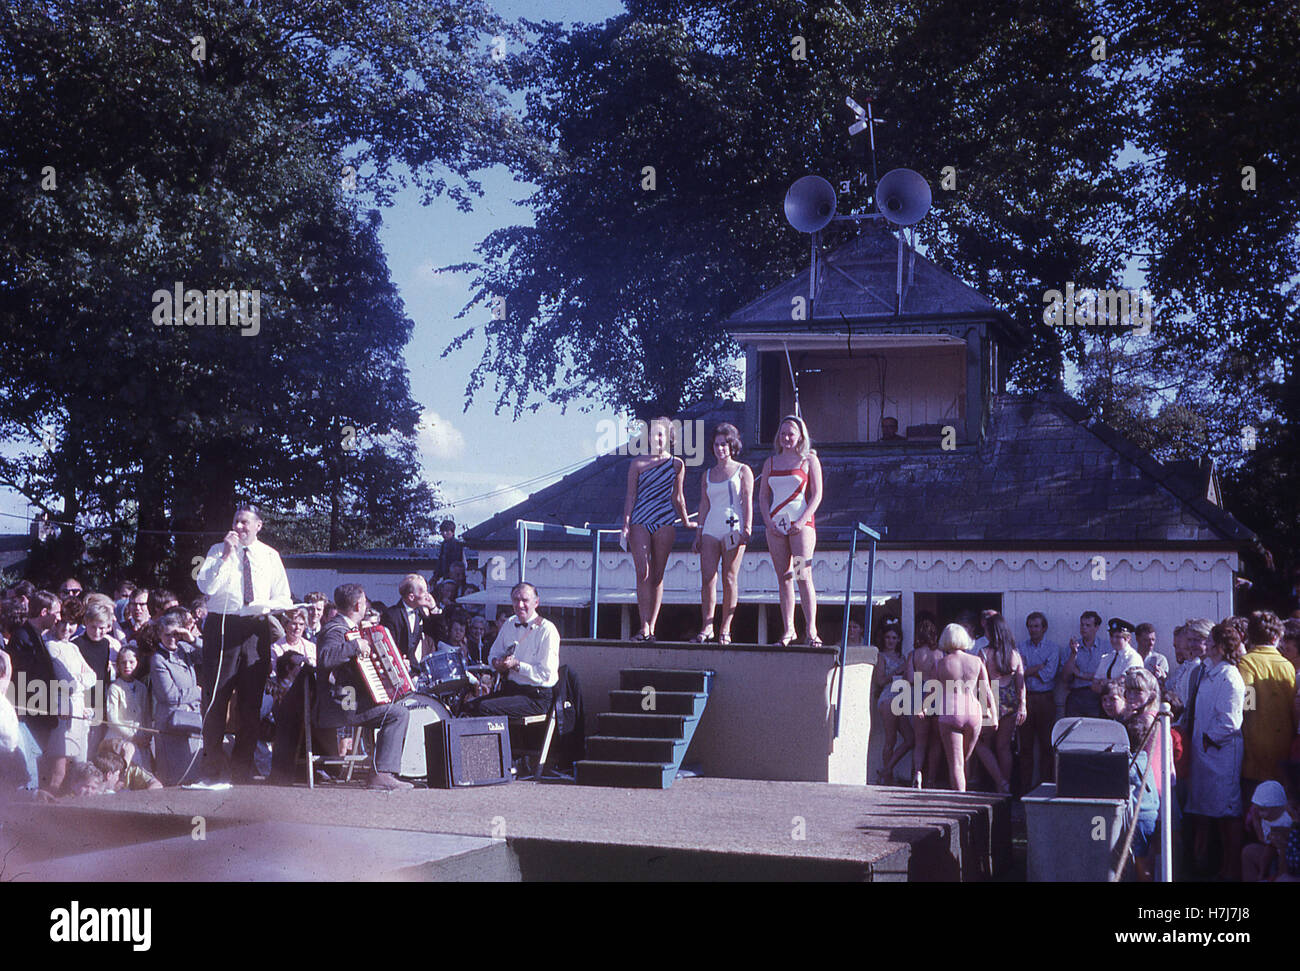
x: 15, y: 769
x: 1081, y: 665
x: 74, y: 677
x: 1042, y: 659
x: 1190, y: 671
x: 316, y: 603
x: 174, y: 679
x: 1006, y: 674
x: 1120, y: 657
x: 1215, y: 791
x: 13, y: 614
x: 1268, y: 725
x: 137, y: 613
x: 160, y: 600
x: 1141, y: 706
x: 70, y: 587
x: 888, y: 685
x: 413, y: 620
x: 294, y: 639
x: 122, y: 600
x: 113, y: 767
x: 855, y: 633
x: 33, y: 667
x: 84, y: 779
x: 199, y: 608
x: 1153, y: 660
x: 1112, y: 699
x: 1268, y: 822
x: 128, y: 706
x: 446, y: 594
x: 477, y: 645
x: 889, y: 430
x: 115, y: 632
x: 451, y: 551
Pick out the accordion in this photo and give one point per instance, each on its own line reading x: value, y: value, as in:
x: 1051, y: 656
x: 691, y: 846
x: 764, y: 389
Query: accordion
x: 384, y: 671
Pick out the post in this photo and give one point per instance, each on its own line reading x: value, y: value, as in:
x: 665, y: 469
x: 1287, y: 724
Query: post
x: 844, y: 632
x: 1166, y: 797
x: 523, y: 545
x: 595, y: 578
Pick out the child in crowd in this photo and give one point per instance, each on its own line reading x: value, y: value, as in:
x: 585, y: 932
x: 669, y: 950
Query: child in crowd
x: 85, y: 779
x: 128, y: 707
x: 73, y: 677
x: 1268, y: 821
x: 132, y: 776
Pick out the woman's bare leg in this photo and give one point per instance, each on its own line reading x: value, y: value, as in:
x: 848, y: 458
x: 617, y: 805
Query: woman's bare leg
x: 710, y: 551
x: 802, y: 545
x: 779, y: 547
x: 638, y: 539
x: 921, y: 728
x: 730, y: 585
x: 661, y: 544
x: 1006, y: 732
x: 952, y: 740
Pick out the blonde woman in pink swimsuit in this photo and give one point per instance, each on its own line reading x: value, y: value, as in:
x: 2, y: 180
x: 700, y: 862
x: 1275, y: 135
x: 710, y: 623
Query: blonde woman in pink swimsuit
x: 788, y: 498
x: 965, y: 684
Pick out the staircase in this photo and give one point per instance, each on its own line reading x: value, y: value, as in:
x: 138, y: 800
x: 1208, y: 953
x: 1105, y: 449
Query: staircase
x: 640, y: 744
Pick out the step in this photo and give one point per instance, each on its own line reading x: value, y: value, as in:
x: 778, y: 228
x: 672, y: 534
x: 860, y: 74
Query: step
x: 614, y: 748
x: 624, y: 775
x: 641, y: 725
x: 658, y: 702
x: 665, y: 679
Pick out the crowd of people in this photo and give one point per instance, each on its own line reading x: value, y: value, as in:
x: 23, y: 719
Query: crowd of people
x: 88, y: 681
x: 970, y: 695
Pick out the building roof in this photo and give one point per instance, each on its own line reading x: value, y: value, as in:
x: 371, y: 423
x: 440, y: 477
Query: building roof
x: 1046, y: 474
x: 858, y: 280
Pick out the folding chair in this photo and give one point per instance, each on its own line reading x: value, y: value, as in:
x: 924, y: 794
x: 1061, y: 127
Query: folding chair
x: 356, y: 754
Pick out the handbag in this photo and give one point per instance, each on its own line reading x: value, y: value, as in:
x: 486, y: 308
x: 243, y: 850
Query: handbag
x: 186, y: 722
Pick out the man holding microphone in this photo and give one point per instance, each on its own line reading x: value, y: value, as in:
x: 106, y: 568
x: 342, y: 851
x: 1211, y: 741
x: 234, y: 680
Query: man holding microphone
x: 244, y: 580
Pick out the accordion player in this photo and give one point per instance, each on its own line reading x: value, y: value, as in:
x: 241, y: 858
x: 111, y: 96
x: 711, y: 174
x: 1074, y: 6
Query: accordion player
x: 383, y: 670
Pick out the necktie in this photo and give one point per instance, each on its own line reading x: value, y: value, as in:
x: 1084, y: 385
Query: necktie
x: 248, y: 578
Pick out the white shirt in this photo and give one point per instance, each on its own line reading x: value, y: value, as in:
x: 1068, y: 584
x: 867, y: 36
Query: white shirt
x: 536, y: 647
x: 74, y: 676
x: 223, y: 581
x: 1123, y: 659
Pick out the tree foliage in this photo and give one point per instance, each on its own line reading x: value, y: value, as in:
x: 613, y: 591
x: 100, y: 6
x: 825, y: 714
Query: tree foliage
x: 156, y: 143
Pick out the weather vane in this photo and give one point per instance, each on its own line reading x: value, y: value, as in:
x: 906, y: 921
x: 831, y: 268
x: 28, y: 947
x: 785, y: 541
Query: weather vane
x: 863, y: 119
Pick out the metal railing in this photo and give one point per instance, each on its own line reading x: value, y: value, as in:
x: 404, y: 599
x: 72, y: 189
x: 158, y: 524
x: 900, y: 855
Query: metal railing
x: 595, y: 532
x: 848, y: 593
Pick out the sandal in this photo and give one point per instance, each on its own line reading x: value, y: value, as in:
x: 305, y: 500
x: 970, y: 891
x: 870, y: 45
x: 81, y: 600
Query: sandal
x: 724, y: 639
x: 702, y: 638
x: 815, y: 641
x: 785, y: 641
x: 639, y: 637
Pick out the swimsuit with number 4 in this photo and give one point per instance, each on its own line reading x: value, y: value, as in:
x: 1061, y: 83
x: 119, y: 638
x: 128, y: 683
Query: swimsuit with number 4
x: 789, y: 495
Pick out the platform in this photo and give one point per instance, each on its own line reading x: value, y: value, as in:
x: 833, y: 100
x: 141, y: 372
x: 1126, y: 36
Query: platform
x: 701, y: 829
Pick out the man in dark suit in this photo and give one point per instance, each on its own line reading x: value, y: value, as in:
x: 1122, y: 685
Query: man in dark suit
x: 33, y: 670
x: 411, y: 617
x: 342, y: 697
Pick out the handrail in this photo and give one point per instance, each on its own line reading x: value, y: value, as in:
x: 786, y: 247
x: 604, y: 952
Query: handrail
x: 848, y: 594
x: 525, y: 527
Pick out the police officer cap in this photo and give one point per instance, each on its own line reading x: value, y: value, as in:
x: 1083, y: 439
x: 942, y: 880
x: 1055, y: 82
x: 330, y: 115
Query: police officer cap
x: 1115, y: 625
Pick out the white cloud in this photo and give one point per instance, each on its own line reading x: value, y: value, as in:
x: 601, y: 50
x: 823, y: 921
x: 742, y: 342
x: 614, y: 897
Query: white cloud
x: 439, y: 438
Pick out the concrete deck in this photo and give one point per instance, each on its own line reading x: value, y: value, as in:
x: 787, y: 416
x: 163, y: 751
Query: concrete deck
x: 700, y: 829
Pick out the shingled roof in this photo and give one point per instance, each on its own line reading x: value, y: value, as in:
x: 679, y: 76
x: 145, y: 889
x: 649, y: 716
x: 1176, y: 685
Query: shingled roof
x: 1045, y: 475
x: 858, y: 280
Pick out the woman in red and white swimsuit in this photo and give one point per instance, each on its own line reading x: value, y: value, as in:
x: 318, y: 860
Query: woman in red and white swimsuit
x: 789, y: 496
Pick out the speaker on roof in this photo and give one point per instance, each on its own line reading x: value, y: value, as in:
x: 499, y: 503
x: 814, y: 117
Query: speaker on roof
x: 903, y: 197
x: 810, y: 204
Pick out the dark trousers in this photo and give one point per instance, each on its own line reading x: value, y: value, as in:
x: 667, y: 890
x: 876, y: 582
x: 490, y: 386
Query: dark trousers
x: 236, y: 660
x: 1084, y: 703
x: 389, y: 722
x: 1036, y: 733
x: 512, y: 699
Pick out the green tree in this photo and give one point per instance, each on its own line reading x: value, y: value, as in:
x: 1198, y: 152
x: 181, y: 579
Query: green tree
x: 214, y: 145
x: 618, y: 290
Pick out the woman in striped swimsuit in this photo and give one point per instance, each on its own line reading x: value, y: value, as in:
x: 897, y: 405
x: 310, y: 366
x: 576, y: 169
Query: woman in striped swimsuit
x: 790, y: 495
x: 655, y: 501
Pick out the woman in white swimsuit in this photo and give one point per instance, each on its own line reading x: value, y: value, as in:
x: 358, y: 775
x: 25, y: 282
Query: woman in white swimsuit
x: 726, y: 517
x: 788, y: 498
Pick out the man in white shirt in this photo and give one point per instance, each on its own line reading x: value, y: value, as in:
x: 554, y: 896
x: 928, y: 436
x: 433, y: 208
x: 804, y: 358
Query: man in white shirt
x: 527, y: 655
x: 1119, y: 658
x: 244, y: 580
x: 1145, y: 644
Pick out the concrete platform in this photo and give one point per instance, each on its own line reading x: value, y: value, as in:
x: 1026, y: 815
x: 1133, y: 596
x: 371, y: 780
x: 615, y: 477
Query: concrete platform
x: 701, y: 829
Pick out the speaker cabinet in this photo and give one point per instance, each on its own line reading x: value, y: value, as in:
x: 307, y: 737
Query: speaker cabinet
x: 467, y: 752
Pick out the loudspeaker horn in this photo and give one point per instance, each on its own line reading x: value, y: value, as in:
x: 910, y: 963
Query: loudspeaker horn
x: 903, y: 197
x: 810, y: 204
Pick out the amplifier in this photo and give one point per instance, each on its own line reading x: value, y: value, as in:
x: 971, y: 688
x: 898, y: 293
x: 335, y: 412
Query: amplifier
x: 1092, y: 775
x: 467, y: 752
